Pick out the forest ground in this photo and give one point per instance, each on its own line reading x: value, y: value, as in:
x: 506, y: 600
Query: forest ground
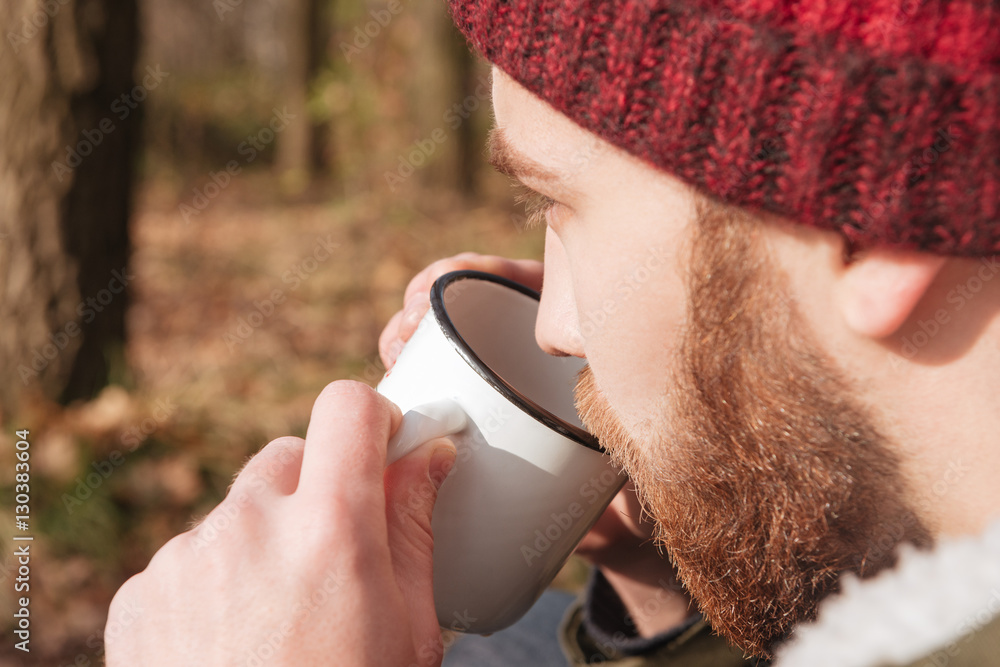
x: 240, y: 315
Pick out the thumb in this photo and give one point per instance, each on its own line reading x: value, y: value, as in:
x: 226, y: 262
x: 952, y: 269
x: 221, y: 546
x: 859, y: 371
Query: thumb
x: 411, y: 487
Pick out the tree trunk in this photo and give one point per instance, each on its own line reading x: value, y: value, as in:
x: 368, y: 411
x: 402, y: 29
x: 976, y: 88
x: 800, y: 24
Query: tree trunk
x: 68, y: 134
x: 299, y: 148
x: 447, y: 94
x: 470, y: 82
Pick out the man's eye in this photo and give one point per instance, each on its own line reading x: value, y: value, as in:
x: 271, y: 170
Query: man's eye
x: 536, y: 205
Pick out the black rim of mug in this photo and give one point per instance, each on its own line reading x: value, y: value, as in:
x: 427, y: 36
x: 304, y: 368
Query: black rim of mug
x: 524, y: 403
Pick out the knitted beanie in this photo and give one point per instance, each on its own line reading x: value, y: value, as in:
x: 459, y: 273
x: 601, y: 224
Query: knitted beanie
x: 877, y: 118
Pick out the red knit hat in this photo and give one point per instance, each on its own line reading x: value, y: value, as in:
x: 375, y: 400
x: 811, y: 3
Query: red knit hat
x: 878, y: 118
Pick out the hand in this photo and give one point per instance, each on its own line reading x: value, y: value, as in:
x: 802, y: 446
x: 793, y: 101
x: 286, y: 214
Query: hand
x: 416, y: 301
x: 318, y: 554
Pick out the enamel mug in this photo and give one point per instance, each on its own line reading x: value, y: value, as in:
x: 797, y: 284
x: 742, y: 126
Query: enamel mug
x: 528, y: 480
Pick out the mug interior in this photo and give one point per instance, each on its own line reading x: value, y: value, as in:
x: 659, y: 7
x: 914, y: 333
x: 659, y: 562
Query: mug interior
x: 491, y: 321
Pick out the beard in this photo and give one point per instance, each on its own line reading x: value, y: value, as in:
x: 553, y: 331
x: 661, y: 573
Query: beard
x: 765, y: 477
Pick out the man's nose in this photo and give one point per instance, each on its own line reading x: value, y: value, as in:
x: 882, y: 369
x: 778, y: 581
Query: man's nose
x: 557, y: 329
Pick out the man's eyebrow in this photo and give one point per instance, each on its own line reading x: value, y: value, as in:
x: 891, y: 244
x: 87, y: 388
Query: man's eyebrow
x: 509, y: 161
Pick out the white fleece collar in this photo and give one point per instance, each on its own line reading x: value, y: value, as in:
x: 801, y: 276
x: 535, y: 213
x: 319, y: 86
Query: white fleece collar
x: 927, y: 603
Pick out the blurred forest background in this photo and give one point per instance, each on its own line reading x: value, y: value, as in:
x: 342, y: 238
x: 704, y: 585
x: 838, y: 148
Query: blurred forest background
x: 208, y: 210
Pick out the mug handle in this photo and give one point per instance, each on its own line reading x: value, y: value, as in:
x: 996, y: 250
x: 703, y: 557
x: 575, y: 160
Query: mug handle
x: 424, y: 423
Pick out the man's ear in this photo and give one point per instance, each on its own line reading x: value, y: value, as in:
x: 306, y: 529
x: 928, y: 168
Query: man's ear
x: 877, y: 292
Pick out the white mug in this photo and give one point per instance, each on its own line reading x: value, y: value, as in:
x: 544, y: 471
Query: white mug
x: 528, y: 480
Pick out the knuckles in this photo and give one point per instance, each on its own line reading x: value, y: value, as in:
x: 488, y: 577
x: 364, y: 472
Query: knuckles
x: 280, y: 446
x: 460, y: 262
x: 361, y: 401
x: 423, y: 280
x: 348, y: 391
x: 273, y: 457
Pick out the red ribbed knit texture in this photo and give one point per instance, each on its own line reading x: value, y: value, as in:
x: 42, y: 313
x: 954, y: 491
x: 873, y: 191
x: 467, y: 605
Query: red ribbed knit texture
x: 878, y: 119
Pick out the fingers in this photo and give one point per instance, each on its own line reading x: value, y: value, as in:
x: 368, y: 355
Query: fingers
x: 389, y: 342
x: 422, y: 281
x: 343, y: 468
x: 416, y: 300
x: 411, y: 486
x: 275, y: 467
x: 411, y: 489
x: 414, y: 310
x: 401, y: 327
x: 344, y: 456
x: 528, y: 272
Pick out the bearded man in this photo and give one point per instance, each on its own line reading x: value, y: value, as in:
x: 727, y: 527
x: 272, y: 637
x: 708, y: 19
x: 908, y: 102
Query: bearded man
x: 802, y: 386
